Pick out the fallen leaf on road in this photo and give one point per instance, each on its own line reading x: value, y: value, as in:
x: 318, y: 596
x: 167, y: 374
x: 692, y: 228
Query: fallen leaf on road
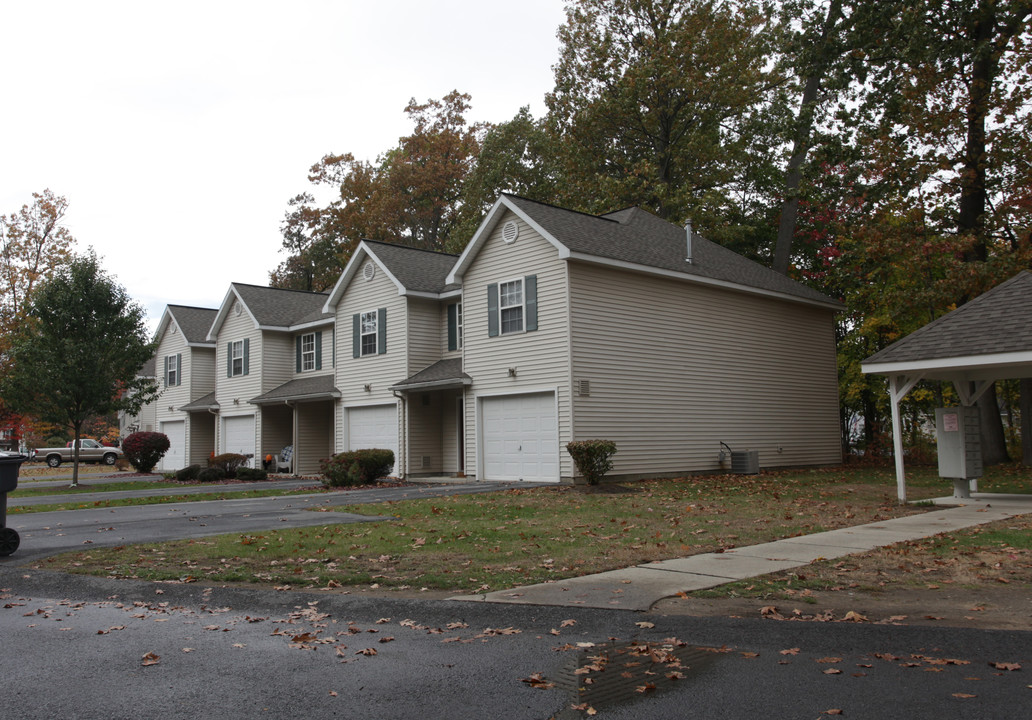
x: 1005, y: 665
x: 537, y: 680
x: 790, y: 651
x: 150, y: 659
x: 964, y: 695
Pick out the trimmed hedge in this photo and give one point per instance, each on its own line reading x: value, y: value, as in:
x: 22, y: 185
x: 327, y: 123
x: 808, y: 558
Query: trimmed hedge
x: 211, y: 474
x: 249, y: 473
x: 593, y: 458
x: 227, y: 463
x: 356, y: 467
x: 144, y: 449
x: 188, y: 474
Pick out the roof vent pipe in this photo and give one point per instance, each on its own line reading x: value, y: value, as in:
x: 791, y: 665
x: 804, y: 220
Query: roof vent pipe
x: 688, y: 238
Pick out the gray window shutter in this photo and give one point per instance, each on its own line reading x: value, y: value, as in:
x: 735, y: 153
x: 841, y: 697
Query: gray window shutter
x: 297, y: 354
x: 229, y: 359
x: 179, y: 368
x: 356, y: 335
x: 453, y: 327
x: 381, y: 331
x: 247, y: 355
x: 318, y: 350
x: 530, y: 298
x: 492, y: 310
x: 165, y: 379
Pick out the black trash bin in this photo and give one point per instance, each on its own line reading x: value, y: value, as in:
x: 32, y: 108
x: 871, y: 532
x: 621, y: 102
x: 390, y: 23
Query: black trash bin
x: 10, y: 464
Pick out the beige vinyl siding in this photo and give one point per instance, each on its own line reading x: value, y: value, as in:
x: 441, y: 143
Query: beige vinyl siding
x: 540, y: 357
x: 425, y: 412
x: 424, y: 334
x: 200, y: 438
x: 314, y: 435
x: 201, y: 375
x: 675, y: 368
x: 233, y: 393
x: 277, y: 359
x: 379, y: 371
x: 172, y: 343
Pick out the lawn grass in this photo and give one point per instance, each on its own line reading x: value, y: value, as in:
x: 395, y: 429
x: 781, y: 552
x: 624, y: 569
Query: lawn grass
x: 162, y: 499
x: 30, y: 491
x: 493, y: 541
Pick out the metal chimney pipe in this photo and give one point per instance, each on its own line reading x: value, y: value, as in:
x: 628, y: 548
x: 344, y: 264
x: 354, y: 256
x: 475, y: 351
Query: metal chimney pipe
x: 688, y: 238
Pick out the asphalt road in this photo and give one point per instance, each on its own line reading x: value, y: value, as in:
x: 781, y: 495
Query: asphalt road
x: 80, y: 647
x: 89, y: 648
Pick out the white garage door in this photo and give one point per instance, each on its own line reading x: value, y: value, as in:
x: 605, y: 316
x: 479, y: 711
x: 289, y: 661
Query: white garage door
x: 175, y: 458
x: 521, y: 438
x: 239, y: 435
x: 374, y: 427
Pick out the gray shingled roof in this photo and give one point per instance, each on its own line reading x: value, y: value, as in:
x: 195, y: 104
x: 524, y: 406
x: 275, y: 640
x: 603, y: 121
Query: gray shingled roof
x: 443, y: 373
x: 195, y: 322
x: 273, y: 307
x: 638, y: 237
x: 418, y: 270
x: 998, y: 321
x: 201, y: 404
x: 313, y: 388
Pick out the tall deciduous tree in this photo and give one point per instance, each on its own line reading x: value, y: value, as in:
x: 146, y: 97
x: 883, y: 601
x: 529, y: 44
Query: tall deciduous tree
x: 79, y: 350
x: 657, y: 103
x: 33, y: 243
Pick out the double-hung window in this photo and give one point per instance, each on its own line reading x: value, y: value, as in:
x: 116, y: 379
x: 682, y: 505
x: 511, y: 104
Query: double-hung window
x: 510, y: 306
x: 172, y: 371
x: 308, y: 352
x: 237, y: 358
x: 368, y: 333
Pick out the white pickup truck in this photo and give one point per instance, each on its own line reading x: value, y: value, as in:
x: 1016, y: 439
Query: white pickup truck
x: 90, y: 451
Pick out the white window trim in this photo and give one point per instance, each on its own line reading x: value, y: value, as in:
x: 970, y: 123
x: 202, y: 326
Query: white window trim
x: 308, y: 356
x: 363, y: 333
x: 522, y: 306
x: 172, y: 374
x: 458, y: 325
x: 237, y: 344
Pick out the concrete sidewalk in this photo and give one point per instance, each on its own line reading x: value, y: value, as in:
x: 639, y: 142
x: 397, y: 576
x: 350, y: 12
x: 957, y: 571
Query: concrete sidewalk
x: 639, y: 587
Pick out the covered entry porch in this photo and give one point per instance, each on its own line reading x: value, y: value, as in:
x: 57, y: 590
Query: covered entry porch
x: 433, y: 423
x: 298, y: 414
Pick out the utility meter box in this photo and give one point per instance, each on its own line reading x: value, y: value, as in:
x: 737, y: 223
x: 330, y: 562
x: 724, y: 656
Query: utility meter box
x: 959, y: 446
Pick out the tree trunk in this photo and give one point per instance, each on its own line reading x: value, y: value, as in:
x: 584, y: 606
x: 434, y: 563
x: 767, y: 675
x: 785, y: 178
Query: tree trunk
x: 994, y: 442
x: 801, y: 144
x: 1026, y: 421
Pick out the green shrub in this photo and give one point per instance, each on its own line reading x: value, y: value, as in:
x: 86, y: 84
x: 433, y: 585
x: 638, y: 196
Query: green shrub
x: 356, y: 467
x: 248, y: 473
x: 145, y: 449
x: 188, y: 474
x: 593, y: 458
x: 228, y: 463
x: 211, y: 474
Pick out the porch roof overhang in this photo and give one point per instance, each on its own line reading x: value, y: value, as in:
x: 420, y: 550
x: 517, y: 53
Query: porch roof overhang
x: 442, y: 375
x: 301, y: 390
x: 988, y: 339
x: 206, y: 403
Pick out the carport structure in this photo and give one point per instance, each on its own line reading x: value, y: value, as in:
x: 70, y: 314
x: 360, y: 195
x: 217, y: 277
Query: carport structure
x: 988, y: 339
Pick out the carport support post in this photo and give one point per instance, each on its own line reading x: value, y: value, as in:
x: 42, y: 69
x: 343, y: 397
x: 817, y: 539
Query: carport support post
x: 899, y: 386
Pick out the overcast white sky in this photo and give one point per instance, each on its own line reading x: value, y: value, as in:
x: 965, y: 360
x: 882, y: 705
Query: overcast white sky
x: 178, y: 131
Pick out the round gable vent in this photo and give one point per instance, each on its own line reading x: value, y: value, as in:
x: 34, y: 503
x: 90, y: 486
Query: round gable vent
x: 510, y: 231
x: 237, y: 309
x: 368, y: 271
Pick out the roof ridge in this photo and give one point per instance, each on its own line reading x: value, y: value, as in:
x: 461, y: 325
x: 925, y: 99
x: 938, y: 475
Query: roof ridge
x: 191, y: 307
x: 269, y: 287
x: 568, y: 210
x: 409, y: 247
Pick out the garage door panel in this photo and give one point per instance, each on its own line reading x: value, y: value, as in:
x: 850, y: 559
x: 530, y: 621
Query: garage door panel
x: 175, y: 458
x: 373, y: 427
x: 240, y: 435
x: 520, y: 438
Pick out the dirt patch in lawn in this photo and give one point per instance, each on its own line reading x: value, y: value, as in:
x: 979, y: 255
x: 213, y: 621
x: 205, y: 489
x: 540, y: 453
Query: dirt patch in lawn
x: 980, y: 578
